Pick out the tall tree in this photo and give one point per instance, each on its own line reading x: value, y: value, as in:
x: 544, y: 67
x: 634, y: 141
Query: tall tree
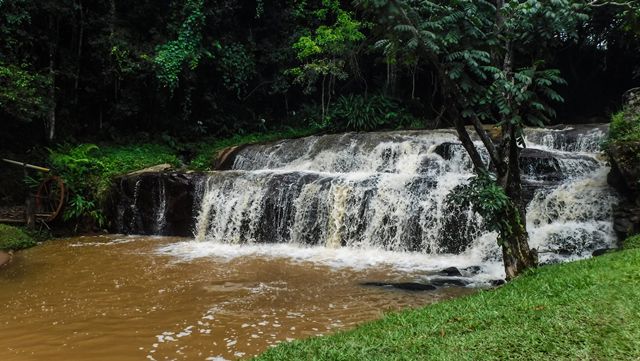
x: 488, y: 57
x: 325, y: 51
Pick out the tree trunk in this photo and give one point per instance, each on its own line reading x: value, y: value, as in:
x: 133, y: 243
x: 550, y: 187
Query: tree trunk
x: 516, y: 254
x: 324, y: 78
x: 79, y: 52
x: 414, y: 70
x: 51, y: 117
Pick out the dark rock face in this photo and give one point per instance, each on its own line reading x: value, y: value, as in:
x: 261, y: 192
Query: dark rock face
x: 625, y: 176
x: 451, y: 272
x: 154, y: 203
x: 600, y: 252
x: 405, y: 286
x: 540, y: 164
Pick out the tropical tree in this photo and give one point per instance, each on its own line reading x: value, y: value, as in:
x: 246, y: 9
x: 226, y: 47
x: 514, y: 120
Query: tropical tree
x: 488, y: 59
x: 324, y: 53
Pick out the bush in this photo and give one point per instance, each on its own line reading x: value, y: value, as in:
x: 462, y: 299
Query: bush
x: 359, y: 113
x: 625, y: 126
x: 632, y: 242
x: 87, y: 170
x: 12, y: 238
x: 206, y: 150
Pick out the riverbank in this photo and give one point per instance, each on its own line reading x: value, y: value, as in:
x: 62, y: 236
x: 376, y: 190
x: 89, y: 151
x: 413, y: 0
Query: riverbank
x: 584, y: 310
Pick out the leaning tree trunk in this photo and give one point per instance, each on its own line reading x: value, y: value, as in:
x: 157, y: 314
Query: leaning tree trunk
x: 516, y: 254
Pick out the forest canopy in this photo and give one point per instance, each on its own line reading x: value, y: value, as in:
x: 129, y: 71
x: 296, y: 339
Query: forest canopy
x: 106, y: 69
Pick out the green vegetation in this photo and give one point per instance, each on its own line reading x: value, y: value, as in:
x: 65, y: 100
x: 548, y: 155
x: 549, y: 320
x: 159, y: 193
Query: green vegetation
x: 625, y: 127
x: 356, y: 112
x: 88, y: 169
x: 206, y: 150
x: 101, y: 70
x: 623, y: 144
x: 632, y: 242
x: 486, y: 197
x: 585, y: 310
x: 12, y: 238
x: 172, y: 57
x: 23, y: 94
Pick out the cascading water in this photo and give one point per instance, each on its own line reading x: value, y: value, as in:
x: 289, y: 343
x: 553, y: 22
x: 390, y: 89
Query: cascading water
x: 382, y: 196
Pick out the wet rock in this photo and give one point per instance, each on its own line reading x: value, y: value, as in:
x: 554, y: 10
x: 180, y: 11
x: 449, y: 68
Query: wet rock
x: 154, y: 169
x: 449, y: 282
x: 448, y: 150
x: 226, y: 157
x: 600, y: 252
x: 153, y: 203
x: 540, y: 164
x: 474, y: 270
x: 451, y: 272
x: 625, y: 175
x: 405, y: 286
x: 574, y: 137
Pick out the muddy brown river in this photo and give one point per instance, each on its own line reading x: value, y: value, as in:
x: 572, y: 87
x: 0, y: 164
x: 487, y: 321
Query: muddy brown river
x: 118, y: 298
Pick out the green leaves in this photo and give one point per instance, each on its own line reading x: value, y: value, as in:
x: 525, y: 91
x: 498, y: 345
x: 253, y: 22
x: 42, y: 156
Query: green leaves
x: 356, y: 112
x: 237, y: 66
x: 24, y: 94
x: 172, y: 57
x: 324, y: 52
x: 488, y: 199
x: 87, y: 170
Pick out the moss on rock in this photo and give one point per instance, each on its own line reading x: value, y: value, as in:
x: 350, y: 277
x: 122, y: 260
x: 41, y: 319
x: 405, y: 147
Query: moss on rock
x: 12, y: 238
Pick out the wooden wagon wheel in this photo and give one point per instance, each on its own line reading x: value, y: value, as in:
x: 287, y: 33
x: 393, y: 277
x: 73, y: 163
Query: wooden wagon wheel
x: 50, y: 198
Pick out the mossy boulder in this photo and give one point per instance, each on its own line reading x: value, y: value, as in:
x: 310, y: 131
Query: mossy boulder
x: 623, y: 148
x: 12, y: 238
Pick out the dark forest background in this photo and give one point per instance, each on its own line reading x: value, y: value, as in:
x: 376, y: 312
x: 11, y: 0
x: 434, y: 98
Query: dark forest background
x: 113, y: 70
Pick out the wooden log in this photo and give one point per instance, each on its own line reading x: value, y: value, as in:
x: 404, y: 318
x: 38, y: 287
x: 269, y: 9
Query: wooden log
x: 26, y: 165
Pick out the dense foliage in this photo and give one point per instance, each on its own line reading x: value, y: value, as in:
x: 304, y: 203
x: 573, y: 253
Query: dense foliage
x: 223, y: 71
x: 12, y: 238
x: 487, y: 198
x: 625, y: 125
x: 107, y: 69
x: 88, y: 170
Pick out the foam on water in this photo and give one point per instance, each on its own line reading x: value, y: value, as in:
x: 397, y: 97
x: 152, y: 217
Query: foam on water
x: 344, y: 257
x: 379, y: 199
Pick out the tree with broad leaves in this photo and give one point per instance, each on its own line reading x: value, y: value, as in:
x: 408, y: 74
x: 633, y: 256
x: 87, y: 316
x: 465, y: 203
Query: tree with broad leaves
x: 488, y: 58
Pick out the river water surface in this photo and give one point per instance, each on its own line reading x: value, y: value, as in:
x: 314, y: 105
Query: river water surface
x: 128, y: 298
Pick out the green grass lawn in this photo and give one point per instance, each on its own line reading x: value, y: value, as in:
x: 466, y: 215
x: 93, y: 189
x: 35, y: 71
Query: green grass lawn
x: 585, y: 310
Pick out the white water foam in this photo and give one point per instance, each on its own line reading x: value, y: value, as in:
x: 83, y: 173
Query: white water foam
x: 364, y: 200
x: 344, y: 257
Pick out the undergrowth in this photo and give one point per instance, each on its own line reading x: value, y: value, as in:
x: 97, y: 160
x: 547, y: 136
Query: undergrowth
x: 13, y: 238
x: 88, y: 169
x: 206, y: 150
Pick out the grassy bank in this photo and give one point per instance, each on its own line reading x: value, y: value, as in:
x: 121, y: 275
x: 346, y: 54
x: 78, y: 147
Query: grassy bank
x: 585, y: 310
x: 207, y: 149
x: 12, y: 238
x: 88, y: 169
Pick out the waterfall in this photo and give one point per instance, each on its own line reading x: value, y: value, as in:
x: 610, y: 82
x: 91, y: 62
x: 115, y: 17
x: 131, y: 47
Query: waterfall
x: 161, y: 207
x: 387, y: 191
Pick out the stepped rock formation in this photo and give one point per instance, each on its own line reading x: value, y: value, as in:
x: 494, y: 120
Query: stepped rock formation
x: 384, y: 190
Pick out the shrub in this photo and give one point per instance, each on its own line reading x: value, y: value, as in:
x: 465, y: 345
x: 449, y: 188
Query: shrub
x: 632, y: 242
x: 360, y: 113
x: 87, y: 170
x: 625, y: 126
x: 12, y: 238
